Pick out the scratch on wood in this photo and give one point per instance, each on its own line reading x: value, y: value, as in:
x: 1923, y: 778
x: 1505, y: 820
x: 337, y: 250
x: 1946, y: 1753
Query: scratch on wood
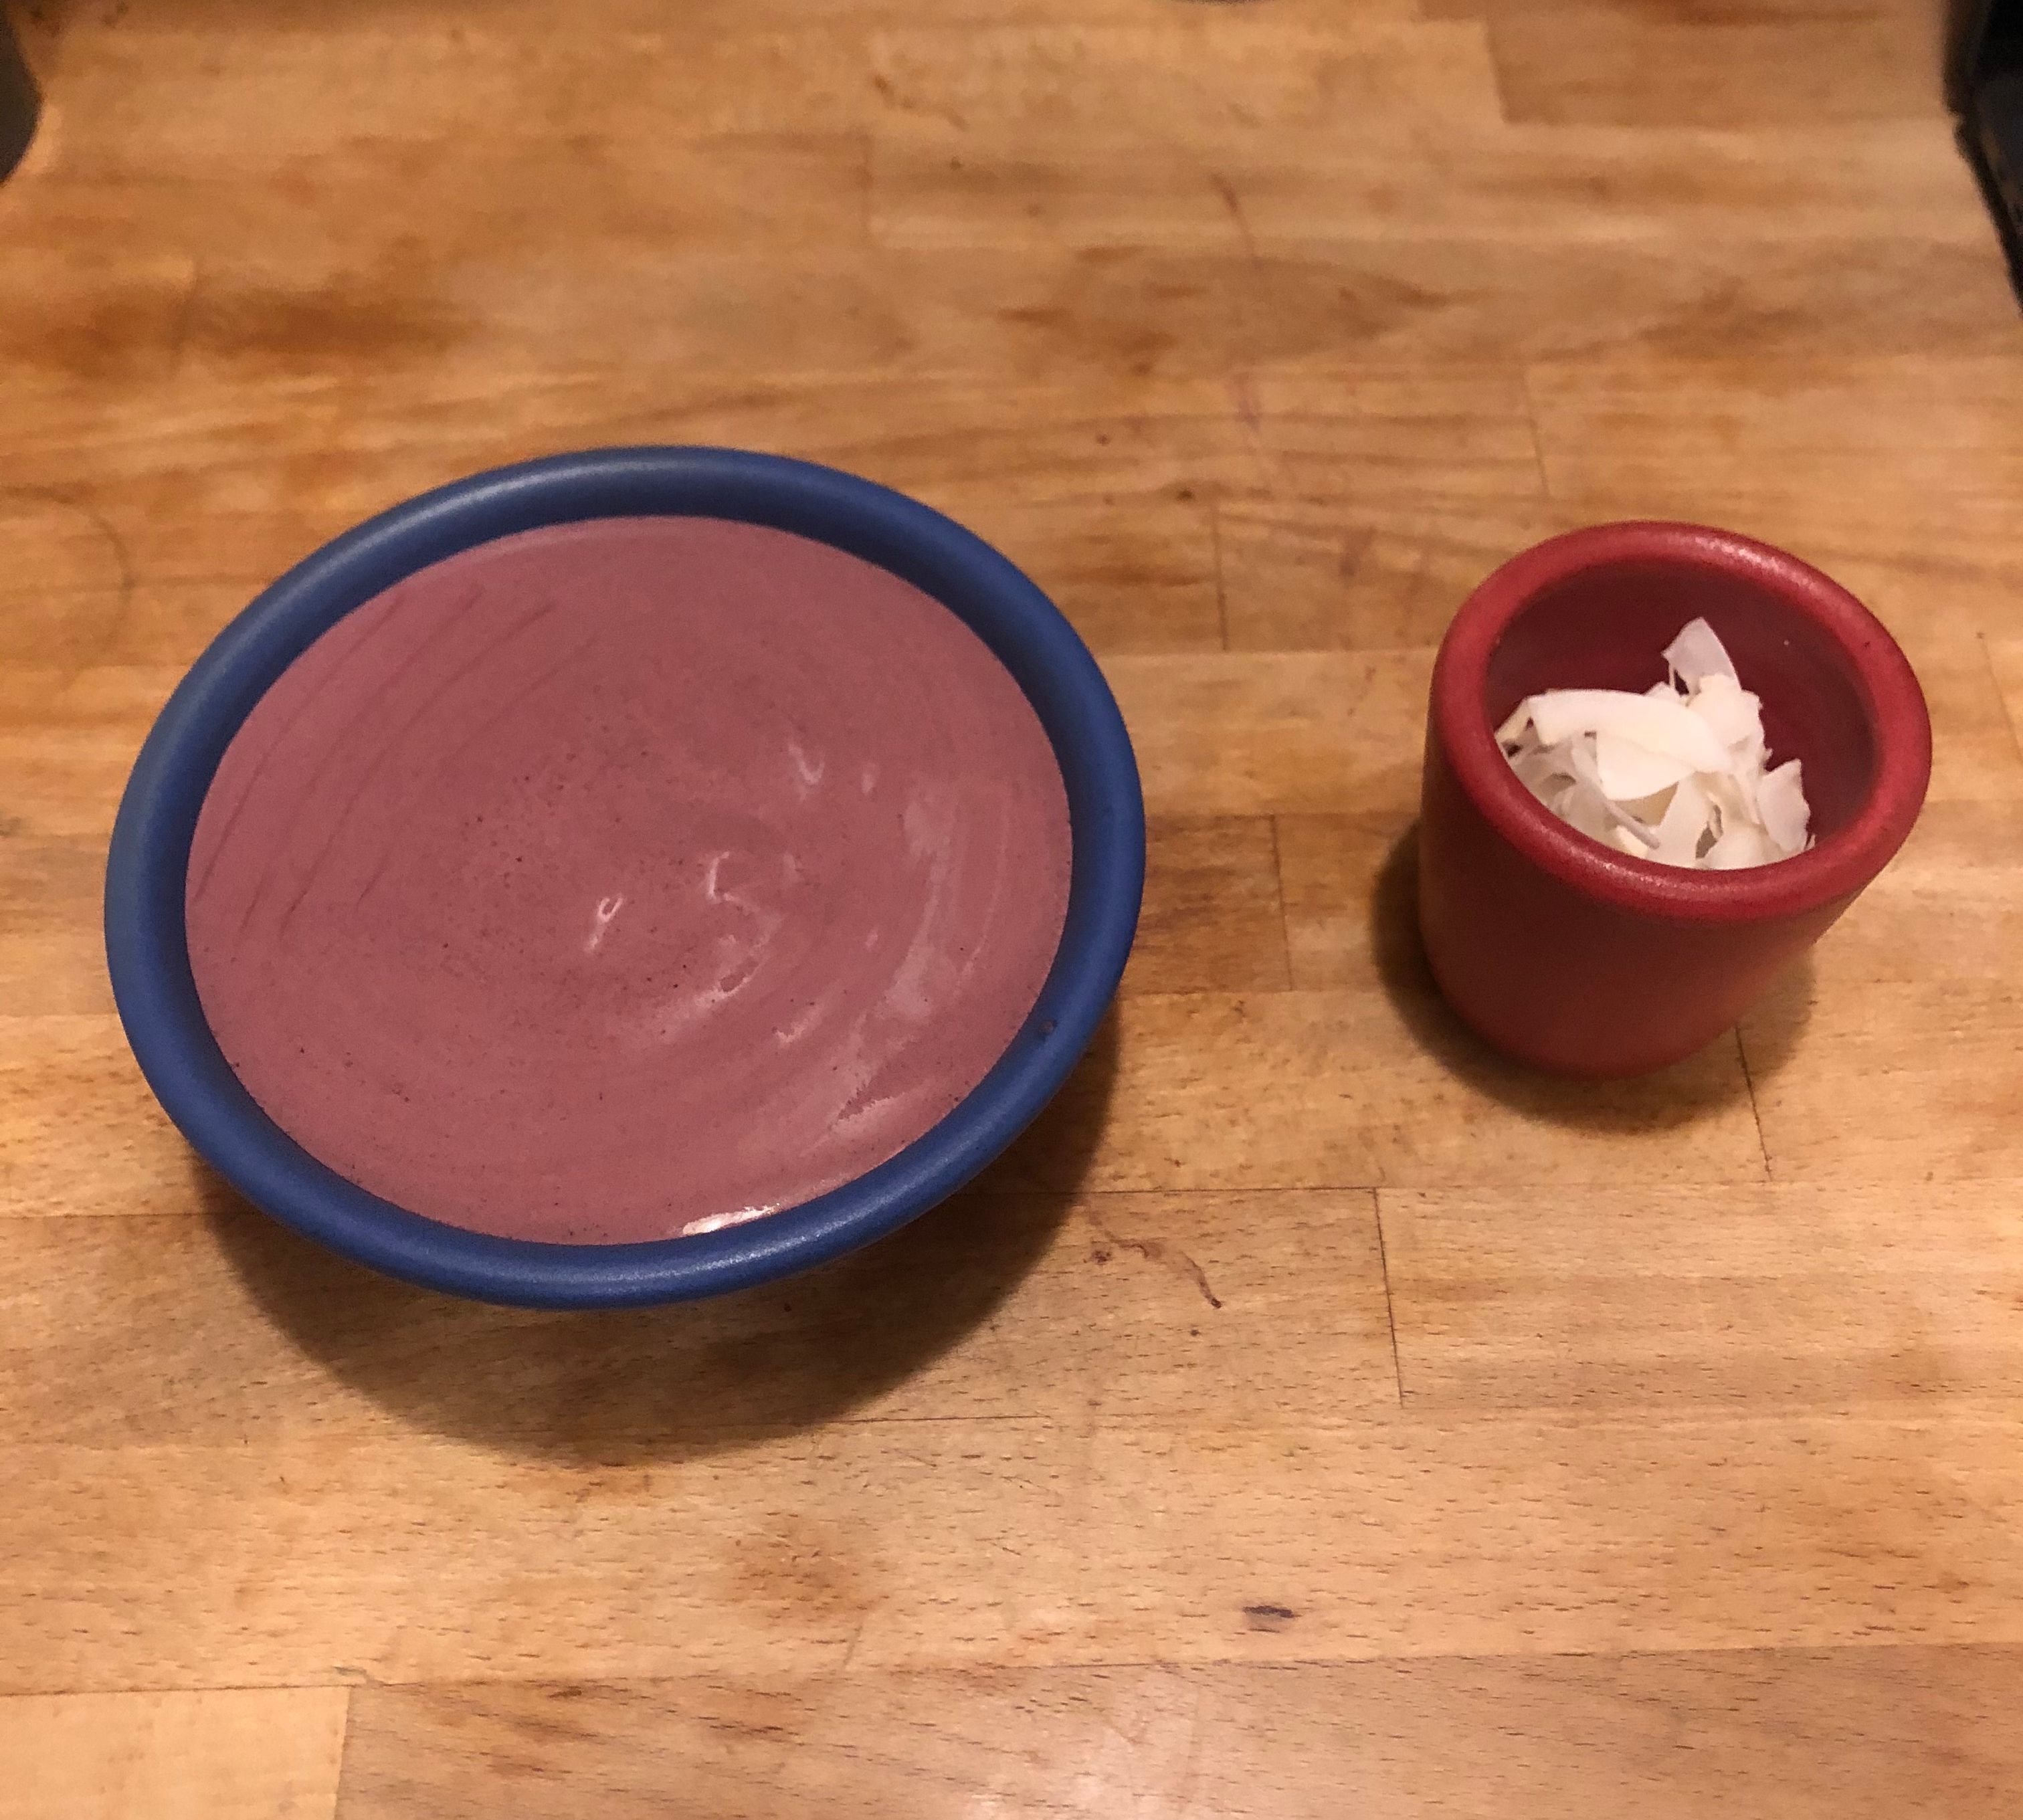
x: 1159, y: 1252
x: 1224, y: 189
x: 116, y: 543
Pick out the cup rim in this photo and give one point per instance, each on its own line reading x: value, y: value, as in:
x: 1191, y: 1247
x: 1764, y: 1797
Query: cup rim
x: 1834, y: 869
x: 147, y: 862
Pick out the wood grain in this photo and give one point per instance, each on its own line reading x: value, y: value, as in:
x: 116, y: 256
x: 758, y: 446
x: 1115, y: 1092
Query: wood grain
x: 1016, y: 1540
x: 2005, y: 664
x: 1320, y: 574
x: 1615, y: 66
x: 227, y: 1754
x: 1313, y: 1413
x: 1914, y: 1006
x: 935, y: 184
x: 1792, y: 1736
x: 60, y: 1075
x: 1212, y: 918
x: 1658, y: 439
x: 997, y: 1306
x: 1780, y: 1296
x: 1376, y: 1085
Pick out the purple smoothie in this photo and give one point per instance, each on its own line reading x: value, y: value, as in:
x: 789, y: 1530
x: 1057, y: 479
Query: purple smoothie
x: 626, y: 879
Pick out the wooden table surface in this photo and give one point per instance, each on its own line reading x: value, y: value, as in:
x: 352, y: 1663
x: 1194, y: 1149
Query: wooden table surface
x: 1314, y: 1416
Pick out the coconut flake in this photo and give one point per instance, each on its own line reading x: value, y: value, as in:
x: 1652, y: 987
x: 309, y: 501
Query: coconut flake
x: 1695, y: 655
x: 1631, y: 772
x: 1588, y: 780
x: 1729, y: 712
x: 1513, y: 729
x: 1780, y: 801
x: 1742, y: 846
x: 1734, y: 800
x: 1683, y: 831
x: 1582, y: 806
x: 1668, y: 728
x: 1542, y: 771
x: 1676, y: 774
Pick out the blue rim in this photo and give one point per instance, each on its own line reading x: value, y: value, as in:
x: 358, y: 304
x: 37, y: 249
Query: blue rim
x: 146, y: 946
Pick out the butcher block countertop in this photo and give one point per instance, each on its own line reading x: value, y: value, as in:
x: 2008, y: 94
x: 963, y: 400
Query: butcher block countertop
x: 1313, y: 1415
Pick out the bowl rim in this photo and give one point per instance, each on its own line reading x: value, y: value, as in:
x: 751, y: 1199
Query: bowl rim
x: 1835, y: 868
x: 147, y: 862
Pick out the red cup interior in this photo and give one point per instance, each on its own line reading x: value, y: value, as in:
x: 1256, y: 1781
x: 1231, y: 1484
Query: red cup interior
x: 1605, y: 627
x: 1596, y: 609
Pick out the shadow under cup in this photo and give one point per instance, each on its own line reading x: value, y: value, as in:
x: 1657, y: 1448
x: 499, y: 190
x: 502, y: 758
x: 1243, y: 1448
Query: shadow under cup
x: 20, y: 105
x: 1576, y: 957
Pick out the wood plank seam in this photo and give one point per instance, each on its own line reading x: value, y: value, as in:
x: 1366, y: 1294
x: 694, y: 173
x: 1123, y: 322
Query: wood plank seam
x: 2008, y: 707
x: 1755, y: 1110
x: 1390, y: 1306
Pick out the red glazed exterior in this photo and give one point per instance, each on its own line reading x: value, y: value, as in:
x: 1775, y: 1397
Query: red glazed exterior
x: 1571, y: 956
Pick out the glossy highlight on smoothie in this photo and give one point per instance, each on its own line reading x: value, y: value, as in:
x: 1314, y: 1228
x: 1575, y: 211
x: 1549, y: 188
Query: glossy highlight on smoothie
x: 625, y: 878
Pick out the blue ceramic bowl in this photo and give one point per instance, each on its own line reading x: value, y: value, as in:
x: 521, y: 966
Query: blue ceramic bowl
x: 145, y: 940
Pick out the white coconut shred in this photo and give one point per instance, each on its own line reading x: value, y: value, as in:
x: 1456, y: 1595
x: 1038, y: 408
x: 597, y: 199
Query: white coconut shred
x: 1680, y: 774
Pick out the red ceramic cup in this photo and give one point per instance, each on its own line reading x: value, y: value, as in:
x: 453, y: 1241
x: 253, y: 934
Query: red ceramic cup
x: 1572, y: 956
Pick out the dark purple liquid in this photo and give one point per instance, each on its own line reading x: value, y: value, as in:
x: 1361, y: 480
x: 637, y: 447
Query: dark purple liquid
x: 626, y: 878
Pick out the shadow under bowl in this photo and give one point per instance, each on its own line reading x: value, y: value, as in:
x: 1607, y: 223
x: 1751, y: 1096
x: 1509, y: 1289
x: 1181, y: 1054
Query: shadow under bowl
x: 147, y: 872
